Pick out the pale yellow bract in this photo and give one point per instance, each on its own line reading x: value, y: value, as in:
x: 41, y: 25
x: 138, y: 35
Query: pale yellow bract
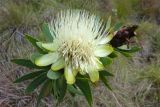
x: 79, y: 40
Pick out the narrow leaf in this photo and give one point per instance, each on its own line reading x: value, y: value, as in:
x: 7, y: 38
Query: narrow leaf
x: 124, y: 53
x: 34, y: 41
x: 85, y: 88
x: 105, y: 81
x: 105, y: 73
x: 46, y: 32
x: 25, y: 62
x: 29, y: 76
x: 106, y: 61
x: 72, y: 89
x: 36, y: 82
x: 132, y: 50
x: 45, y: 90
x: 117, y: 26
x: 61, y: 86
x: 53, y: 82
x: 113, y: 55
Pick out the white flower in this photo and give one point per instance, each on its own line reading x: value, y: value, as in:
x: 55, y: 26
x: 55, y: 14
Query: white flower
x: 79, y: 40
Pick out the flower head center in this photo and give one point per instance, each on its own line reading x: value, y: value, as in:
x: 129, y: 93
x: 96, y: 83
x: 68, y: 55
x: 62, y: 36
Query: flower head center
x: 76, y: 51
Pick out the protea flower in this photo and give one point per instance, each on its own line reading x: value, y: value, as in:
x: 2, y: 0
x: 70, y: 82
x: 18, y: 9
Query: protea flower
x: 79, y: 40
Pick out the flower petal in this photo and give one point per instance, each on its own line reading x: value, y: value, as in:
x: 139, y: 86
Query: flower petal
x: 59, y: 64
x: 75, y: 72
x: 99, y: 65
x: 93, y: 74
x: 69, y: 75
x: 82, y: 72
x: 106, y: 39
x: 46, y: 59
x: 50, y: 46
x: 39, y: 44
x: 34, y: 56
x: 103, y: 50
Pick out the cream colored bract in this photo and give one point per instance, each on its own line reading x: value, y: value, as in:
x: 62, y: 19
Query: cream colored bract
x: 79, y: 40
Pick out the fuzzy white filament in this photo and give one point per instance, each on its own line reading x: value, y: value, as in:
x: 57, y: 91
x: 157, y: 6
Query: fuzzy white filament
x: 79, y: 40
x: 77, y: 34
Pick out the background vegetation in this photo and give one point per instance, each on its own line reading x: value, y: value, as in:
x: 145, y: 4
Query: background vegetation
x: 136, y: 81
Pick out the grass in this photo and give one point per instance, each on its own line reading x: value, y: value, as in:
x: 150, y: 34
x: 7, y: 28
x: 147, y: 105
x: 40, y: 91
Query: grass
x: 129, y: 90
x: 152, y: 73
x: 16, y: 15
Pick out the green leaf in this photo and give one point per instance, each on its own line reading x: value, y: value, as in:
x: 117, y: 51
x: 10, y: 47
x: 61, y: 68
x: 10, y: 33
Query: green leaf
x: 123, y: 52
x: 85, y: 88
x: 105, y: 73
x: 132, y: 50
x: 36, y: 82
x: 105, y: 81
x: 25, y: 62
x: 34, y: 41
x: 113, y: 55
x: 53, y: 74
x: 61, y: 86
x: 29, y: 76
x: 135, y: 49
x: 72, y: 89
x: 126, y: 54
x: 106, y: 60
x: 54, y: 89
x: 46, y: 32
x: 45, y: 90
x: 117, y: 26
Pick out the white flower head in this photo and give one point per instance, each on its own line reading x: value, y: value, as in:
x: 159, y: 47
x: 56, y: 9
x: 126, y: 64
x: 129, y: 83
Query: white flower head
x: 79, y: 40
